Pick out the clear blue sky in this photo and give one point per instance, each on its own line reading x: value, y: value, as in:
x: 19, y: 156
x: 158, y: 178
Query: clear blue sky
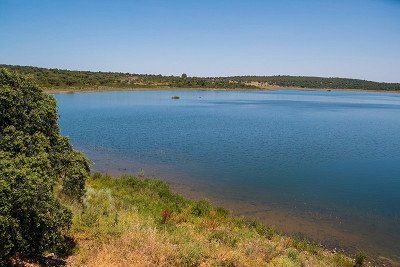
x: 358, y: 39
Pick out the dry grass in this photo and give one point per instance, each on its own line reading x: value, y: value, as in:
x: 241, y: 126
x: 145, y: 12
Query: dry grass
x: 122, y: 224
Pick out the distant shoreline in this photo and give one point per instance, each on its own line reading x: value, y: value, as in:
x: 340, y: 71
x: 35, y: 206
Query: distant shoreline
x: 58, y: 80
x: 271, y: 88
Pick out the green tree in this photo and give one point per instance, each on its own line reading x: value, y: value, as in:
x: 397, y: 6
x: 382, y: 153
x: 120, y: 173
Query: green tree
x: 37, y: 165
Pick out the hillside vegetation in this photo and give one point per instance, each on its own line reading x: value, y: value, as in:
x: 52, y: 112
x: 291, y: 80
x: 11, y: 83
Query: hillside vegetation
x: 52, y: 212
x: 55, y: 79
x: 133, y: 221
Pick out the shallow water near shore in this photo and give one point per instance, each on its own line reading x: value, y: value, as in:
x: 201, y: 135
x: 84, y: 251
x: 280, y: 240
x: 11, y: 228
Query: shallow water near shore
x: 325, y: 165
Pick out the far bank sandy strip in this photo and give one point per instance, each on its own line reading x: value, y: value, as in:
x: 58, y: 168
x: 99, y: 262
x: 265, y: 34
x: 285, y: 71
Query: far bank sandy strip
x: 272, y: 88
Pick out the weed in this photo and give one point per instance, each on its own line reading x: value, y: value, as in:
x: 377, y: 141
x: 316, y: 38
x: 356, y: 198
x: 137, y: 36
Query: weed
x: 165, y: 216
x: 224, y: 237
x: 262, y: 230
x: 191, y: 256
x: 222, y: 212
x: 293, y: 254
x: 201, y: 208
x: 304, y: 245
x: 359, y: 259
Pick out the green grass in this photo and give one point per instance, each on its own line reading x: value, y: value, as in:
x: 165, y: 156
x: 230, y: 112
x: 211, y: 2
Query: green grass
x: 134, y: 221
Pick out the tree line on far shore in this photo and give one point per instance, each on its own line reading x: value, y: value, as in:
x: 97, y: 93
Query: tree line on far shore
x: 64, y: 79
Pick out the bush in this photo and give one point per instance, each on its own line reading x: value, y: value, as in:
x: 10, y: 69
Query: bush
x: 201, y: 208
x: 224, y: 237
x: 262, y: 230
x: 222, y: 212
x: 36, y: 164
x: 34, y: 220
x: 97, y: 204
x: 293, y: 254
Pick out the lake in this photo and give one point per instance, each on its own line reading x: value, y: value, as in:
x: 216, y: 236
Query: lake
x: 317, y: 164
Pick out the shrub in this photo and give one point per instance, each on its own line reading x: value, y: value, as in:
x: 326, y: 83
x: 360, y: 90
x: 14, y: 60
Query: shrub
x: 293, y: 254
x: 165, y: 216
x: 224, y: 237
x: 97, y: 204
x: 201, y: 208
x: 34, y: 220
x: 262, y: 230
x: 36, y: 164
x: 222, y: 212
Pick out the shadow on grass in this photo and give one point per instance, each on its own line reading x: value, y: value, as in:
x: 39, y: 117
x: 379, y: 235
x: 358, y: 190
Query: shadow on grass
x: 63, y: 250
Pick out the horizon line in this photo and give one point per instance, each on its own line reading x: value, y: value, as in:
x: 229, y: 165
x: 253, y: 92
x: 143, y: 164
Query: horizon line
x: 201, y: 77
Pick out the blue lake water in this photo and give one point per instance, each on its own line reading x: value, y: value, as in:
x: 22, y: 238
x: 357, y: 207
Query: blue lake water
x: 327, y: 158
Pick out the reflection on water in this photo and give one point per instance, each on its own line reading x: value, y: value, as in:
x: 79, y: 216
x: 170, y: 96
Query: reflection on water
x: 330, y: 160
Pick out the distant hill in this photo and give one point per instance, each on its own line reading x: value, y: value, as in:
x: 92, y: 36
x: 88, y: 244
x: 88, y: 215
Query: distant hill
x: 56, y: 79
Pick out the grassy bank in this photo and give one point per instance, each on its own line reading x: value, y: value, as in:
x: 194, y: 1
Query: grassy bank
x: 132, y: 221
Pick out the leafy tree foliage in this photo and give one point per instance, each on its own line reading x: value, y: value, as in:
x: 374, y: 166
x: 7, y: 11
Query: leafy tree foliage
x: 37, y: 165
